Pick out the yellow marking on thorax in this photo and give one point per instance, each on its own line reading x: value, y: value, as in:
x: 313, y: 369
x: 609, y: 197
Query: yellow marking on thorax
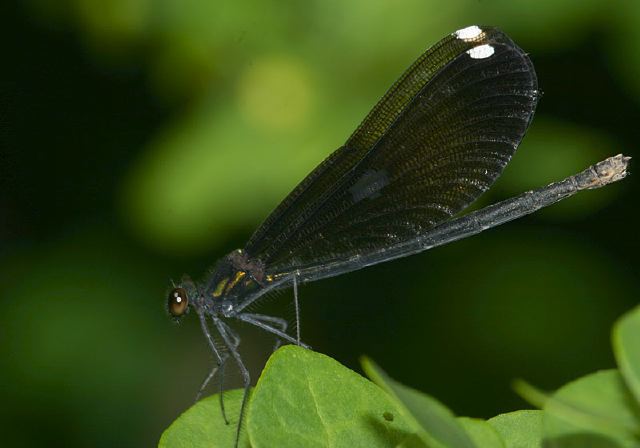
x: 220, y: 287
x: 235, y: 280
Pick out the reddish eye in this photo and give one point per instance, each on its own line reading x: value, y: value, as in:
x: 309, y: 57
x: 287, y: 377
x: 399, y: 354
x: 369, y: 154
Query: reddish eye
x: 178, y: 302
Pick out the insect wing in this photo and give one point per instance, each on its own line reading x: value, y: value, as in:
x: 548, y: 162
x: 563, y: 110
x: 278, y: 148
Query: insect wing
x: 433, y: 144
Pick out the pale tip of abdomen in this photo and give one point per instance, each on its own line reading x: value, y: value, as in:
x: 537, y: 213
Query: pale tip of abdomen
x: 612, y: 169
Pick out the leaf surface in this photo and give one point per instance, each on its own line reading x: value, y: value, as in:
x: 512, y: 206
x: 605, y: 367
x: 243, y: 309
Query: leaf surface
x: 306, y: 399
x: 439, y: 425
x: 202, y: 425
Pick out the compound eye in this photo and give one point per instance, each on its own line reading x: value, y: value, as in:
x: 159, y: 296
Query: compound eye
x: 178, y: 302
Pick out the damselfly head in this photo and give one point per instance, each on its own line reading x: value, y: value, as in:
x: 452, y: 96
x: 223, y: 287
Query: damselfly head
x: 180, y: 296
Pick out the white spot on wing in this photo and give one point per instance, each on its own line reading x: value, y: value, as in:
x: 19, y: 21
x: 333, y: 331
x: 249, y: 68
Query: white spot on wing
x: 481, y: 51
x: 468, y: 33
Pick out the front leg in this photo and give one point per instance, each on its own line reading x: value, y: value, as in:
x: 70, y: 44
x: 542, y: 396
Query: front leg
x: 221, y: 359
x: 230, y: 339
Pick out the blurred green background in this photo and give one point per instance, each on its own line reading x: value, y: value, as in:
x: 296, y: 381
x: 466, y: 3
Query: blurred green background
x: 143, y: 139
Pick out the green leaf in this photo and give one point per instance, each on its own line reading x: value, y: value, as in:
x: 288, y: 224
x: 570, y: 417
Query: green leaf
x: 519, y: 429
x: 202, y: 424
x: 306, y: 399
x: 481, y: 432
x: 626, y: 347
x: 440, y: 427
x: 595, y: 410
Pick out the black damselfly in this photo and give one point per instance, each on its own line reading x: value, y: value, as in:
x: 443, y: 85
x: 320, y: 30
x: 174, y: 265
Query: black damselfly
x: 433, y: 144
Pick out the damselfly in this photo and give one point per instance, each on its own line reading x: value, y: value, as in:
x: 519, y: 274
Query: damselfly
x: 433, y: 144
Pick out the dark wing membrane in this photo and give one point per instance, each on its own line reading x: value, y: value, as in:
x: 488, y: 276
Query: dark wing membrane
x: 438, y: 138
x: 305, y: 198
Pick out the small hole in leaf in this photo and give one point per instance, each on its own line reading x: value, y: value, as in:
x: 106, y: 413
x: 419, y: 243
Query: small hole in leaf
x: 388, y: 416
